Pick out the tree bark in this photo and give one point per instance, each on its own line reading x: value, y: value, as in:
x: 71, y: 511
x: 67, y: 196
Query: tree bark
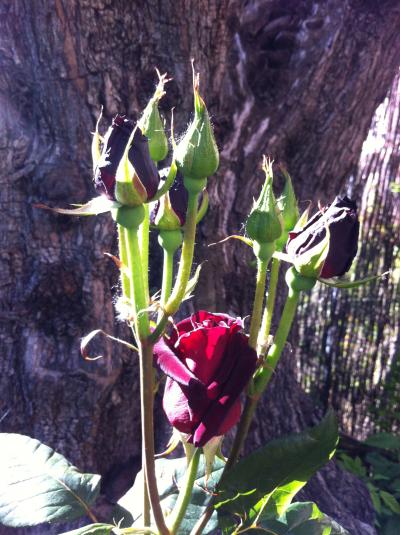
x: 296, y: 80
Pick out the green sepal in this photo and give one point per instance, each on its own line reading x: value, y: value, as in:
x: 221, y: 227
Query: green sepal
x: 170, y: 240
x: 94, y: 529
x: 197, y: 153
x: 210, y: 450
x: 96, y: 206
x: 95, y: 149
x: 203, y: 207
x: 287, y: 204
x: 168, y: 182
x: 129, y: 190
x: 129, y: 216
x: 166, y: 218
x: 351, y: 284
x: 264, y: 223
x: 192, y: 283
x: 234, y: 237
x: 298, y: 282
x: 302, y: 222
x: 311, y: 262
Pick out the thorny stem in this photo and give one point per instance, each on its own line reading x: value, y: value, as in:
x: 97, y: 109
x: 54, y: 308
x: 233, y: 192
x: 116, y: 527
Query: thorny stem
x: 123, y: 256
x: 269, y: 307
x: 185, y: 267
x: 263, y: 377
x: 185, y: 493
x: 258, y: 302
x: 138, y: 290
x: 167, y: 278
x: 147, y: 401
x: 137, y: 284
x: 185, y: 264
x: 144, y: 249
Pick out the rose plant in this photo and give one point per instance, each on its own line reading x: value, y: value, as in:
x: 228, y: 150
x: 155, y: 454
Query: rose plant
x: 209, y: 362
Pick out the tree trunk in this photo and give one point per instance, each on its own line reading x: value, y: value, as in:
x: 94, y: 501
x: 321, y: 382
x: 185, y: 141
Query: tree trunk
x: 296, y: 80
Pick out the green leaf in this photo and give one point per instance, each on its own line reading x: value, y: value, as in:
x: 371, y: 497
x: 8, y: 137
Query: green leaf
x: 170, y: 474
x: 96, y: 206
x: 39, y: 485
x: 300, y: 519
x: 278, y: 470
x: 92, y: 529
x: 351, y: 284
x: 386, y: 441
x: 376, y: 501
x: 390, y: 501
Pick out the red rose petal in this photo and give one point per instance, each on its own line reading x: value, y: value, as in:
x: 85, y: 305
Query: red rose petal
x: 203, y: 350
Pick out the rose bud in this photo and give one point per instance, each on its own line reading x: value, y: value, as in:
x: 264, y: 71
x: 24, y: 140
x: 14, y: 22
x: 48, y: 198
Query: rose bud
x: 151, y: 124
x: 264, y: 224
x: 326, y: 246
x: 170, y: 211
x: 126, y: 174
x: 208, y: 363
x: 197, y: 153
x: 287, y: 205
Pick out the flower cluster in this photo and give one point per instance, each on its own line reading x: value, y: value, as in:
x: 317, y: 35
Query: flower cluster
x: 208, y: 360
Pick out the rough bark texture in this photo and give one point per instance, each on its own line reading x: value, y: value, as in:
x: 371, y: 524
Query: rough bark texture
x: 298, y: 80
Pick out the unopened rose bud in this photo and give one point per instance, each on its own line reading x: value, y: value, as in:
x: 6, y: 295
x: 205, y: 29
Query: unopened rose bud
x: 170, y: 212
x: 264, y: 224
x: 287, y: 205
x: 326, y: 246
x: 197, y: 153
x: 129, y: 182
x: 152, y: 126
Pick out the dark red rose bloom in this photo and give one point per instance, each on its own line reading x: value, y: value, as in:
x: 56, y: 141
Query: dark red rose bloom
x: 342, y: 220
x: 115, y: 143
x: 208, y: 362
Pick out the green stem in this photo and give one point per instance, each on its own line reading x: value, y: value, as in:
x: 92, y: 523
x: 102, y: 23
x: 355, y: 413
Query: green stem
x: 258, y: 302
x: 137, y: 284
x: 269, y: 307
x: 146, y: 499
x: 263, y: 377
x: 146, y: 376
x: 144, y: 249
x: 147, y: 401
x: 185, y: 493
x: 168, y: 267
x: 185, y: 264
x: 123, y: 256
